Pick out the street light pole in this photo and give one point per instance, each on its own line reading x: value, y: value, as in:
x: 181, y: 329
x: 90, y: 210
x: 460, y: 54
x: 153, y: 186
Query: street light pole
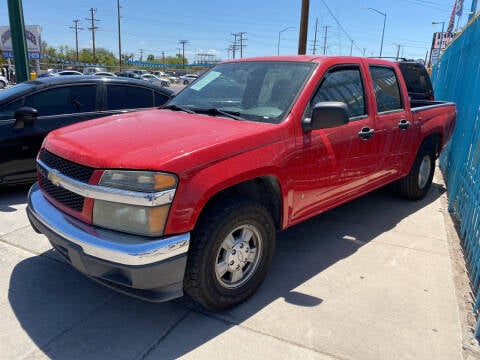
x: 281, y: 31
x: 383, y: 30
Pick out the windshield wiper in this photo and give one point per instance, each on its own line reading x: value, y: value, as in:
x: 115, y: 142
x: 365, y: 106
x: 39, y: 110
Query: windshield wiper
x: 178, y: 108
x: 216, y: 112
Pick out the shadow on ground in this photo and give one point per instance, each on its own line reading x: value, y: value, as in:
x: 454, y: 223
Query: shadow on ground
x: 69, y: 316
x: 12, y: 195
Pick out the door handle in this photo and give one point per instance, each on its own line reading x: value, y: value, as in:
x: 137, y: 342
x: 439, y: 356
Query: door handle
x: 404, y: 124
x: 366, y: 133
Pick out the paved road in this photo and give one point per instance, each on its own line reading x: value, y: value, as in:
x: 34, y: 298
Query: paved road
x: 369, y: 280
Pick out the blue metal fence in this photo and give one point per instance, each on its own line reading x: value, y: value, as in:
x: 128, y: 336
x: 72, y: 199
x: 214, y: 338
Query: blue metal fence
x: 457, y: 78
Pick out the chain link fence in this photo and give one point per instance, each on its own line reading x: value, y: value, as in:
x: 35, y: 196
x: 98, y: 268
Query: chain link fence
x: 457, y: 78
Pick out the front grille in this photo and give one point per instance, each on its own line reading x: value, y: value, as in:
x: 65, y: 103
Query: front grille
x: 67, y: 168
x: 79, y: 172
x: 63, y: 196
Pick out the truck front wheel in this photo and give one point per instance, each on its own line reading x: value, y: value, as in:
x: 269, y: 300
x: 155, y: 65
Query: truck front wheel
x: 416, y: 184
x: 230, y: 253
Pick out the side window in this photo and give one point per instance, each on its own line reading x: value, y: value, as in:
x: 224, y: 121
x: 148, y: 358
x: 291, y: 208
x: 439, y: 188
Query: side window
x: 387, y: 90
x: 8, y: 111
x: 63, y: 100
x: 344, y: 85
x: 128, y: 97
x: 160, y: 99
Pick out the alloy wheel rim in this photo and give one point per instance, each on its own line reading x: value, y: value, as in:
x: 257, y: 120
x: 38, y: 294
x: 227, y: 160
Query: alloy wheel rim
x: 238, y: 256
x: 424, y: 171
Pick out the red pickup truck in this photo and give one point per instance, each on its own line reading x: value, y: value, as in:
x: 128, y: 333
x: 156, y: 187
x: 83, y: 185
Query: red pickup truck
x: 188, y: 198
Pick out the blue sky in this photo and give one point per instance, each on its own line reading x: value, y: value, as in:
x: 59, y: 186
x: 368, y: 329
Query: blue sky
x: 153, y: 27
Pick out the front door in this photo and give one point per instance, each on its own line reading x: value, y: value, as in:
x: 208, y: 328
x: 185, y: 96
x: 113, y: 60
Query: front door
x: 335, y: 164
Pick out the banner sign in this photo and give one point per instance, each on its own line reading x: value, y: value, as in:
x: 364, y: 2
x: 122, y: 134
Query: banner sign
x: 156, y: 65
x: 31, y: 55
x: 32, y: 36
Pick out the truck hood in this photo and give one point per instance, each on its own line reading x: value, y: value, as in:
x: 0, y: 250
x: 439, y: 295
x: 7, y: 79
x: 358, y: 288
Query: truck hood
x: 159, y: 140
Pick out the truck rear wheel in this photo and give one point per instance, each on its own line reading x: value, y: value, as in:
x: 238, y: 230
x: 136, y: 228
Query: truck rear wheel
x: 417, y: 183
x: 230, y: 253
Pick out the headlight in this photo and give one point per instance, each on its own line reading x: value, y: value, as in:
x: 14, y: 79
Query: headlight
x: 142, y: 220
x: 144, y: 181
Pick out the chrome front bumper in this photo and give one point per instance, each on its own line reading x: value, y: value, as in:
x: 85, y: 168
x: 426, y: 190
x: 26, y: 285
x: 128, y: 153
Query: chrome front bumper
x: 116, y: 259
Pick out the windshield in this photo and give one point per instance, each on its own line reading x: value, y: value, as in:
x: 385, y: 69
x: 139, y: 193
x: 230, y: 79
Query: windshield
x: 260, y: 91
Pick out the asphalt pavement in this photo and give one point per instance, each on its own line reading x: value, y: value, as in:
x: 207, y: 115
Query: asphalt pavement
x: 369, y: 280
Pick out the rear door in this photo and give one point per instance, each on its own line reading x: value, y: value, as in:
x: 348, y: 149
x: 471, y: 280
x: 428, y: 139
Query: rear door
x: 393, y: 128
x: 120, y: 98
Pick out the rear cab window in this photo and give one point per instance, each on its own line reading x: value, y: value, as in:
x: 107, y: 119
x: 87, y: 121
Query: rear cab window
x: 418, y: 81
x: 387, y: 89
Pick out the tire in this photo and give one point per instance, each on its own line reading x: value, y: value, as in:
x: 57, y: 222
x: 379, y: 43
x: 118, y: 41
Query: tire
x: 185, y: 82
x: 2, y: 84
x: 417, y: 183
x: 230, y: 253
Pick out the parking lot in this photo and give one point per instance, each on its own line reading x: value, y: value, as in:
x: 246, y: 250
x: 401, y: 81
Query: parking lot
x: 372, y: 279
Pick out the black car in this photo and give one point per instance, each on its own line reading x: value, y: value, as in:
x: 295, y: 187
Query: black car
x: 417, y: 79
x: 29, y: 110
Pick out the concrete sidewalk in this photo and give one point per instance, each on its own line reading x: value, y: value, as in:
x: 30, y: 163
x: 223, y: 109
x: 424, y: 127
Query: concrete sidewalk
x: 369, y: 280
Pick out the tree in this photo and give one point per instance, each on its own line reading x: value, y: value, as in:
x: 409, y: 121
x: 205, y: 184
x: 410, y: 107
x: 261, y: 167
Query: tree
x: 151, y: 58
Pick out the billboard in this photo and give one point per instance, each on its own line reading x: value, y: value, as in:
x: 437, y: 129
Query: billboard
x: 32, y: 36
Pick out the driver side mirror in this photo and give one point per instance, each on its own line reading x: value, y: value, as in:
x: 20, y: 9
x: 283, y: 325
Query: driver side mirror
x: 25, y: 116
x: 326, y: 115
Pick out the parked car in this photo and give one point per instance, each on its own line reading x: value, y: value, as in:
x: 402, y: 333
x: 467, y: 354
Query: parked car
x: 187, y: 79
x: 68, y: 72
x: 48, y: 73
x: 89, y: 70
x: 128, y: 74
x: 138, y: 71
x: 29, y: 110
x: 156, y: 79
x: 104, y: 73
x: 3, y: 82
x: 193, y: 199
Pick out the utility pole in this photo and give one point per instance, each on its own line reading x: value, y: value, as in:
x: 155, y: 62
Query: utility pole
x: 302, y: 38
x: 141, y: 54
x: 92, y: 29
x: 325, y: 39
x: 241, y: 43
x: 234, y: 46
x: 76, y: 29
x: 398, y: 51
x: 315, y: 37
x: 163, y: 60
x: 351, y: 47
x: 183, y: 42
x: 119, y: 37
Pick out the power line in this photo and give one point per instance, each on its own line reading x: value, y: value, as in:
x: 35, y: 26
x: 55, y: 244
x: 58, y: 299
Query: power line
x: 340, y: 26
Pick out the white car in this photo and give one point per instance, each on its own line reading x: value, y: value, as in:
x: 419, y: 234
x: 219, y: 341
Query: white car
x: 153, y: 78
x: 3, y: 82
x: 104, y: 73
x: 187, y: 79
x: 92, y: 70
